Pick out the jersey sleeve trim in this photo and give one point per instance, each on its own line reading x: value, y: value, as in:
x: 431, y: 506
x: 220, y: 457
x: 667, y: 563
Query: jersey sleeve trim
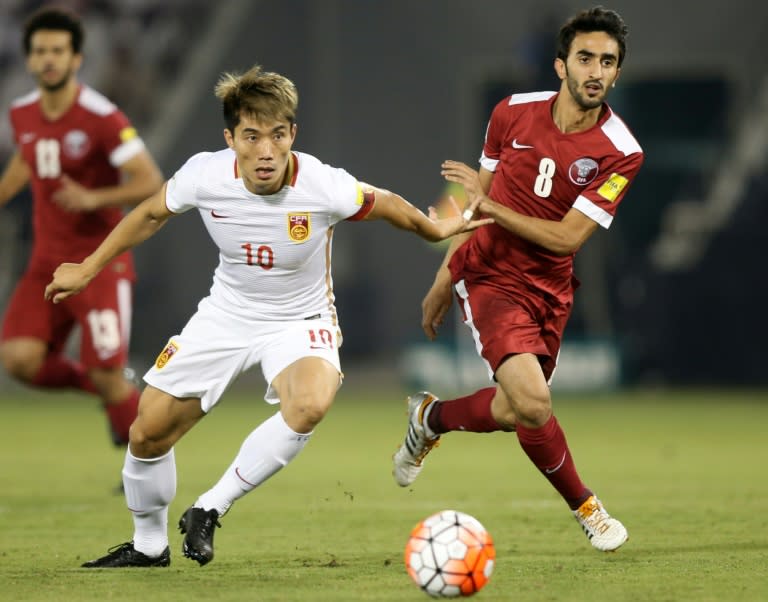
x: 366, y: 199
x: 620, y: 136
x: 169, y: 208
x: 95, y: 102
x: 27, y: 99
x: 487, y: 163
x: 126, y: 151
x: 593, y: 212
x: 525, y: 97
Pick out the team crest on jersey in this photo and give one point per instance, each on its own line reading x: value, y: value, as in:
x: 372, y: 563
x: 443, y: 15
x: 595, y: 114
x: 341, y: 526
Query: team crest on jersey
x: 166, y: 354
x: 583, y: 171
x: 299, y: 226
x: 76, y: 144
x: 612, y: 187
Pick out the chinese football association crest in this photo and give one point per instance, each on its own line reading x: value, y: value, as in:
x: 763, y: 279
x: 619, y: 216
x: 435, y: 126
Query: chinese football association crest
x: 299, y: 226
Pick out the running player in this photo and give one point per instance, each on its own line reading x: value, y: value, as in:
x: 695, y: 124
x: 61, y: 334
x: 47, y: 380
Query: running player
x: 271, y: 211
x: 84, y: 162
x: 554, y: 167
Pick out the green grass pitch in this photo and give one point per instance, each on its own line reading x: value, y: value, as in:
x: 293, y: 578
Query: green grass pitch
x: 685, y: 471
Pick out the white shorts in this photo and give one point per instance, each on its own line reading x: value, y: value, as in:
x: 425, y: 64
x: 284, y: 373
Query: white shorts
x: 214, y: 349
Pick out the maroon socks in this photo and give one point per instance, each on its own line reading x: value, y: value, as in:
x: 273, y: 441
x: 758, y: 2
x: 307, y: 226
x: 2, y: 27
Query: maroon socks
x: 548, y: 450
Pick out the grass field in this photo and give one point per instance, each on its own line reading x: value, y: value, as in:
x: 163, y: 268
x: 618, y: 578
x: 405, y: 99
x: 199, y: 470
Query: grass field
x: 685, y: 472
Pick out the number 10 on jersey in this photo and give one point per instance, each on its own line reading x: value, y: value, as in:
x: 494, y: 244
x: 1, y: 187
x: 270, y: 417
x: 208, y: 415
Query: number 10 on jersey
x: 263, y: 256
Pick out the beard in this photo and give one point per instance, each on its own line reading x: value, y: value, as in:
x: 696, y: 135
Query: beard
x: 56, y: 85
x: 586, y: 103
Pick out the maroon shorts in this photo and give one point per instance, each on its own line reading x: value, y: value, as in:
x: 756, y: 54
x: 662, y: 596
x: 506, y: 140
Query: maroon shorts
x: 103, y: 311
x: 505, y: 323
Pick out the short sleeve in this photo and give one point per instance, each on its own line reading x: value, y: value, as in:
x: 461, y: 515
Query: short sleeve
x: 601, y: 199
x: 119, y: 138
x: 494, y: 136
x: 181, y: 191
x: 347, y: 197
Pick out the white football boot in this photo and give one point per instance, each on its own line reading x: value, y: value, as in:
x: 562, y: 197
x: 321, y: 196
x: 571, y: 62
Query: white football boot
x: 409, y: 458
x: 603, y: 531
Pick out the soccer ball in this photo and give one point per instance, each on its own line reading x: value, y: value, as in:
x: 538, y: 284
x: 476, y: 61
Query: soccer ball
x: 450, y: 554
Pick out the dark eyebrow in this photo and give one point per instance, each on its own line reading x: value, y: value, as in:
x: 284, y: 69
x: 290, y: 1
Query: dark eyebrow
x: 588, y: 54
x: 273, y: 131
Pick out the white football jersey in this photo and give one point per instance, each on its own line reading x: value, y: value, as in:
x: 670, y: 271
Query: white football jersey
x: 274, y: 250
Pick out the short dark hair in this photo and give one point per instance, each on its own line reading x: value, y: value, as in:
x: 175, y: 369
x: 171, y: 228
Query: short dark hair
x: 257, y: 93
x: 56, y: 19
x: 593, y: 19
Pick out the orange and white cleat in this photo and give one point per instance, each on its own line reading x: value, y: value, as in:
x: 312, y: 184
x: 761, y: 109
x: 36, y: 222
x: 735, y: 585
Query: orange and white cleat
x: 603, y: 531
x: 409, y: 458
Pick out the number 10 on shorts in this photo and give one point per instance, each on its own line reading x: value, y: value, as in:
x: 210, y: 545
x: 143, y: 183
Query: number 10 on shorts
x: 320, y: 339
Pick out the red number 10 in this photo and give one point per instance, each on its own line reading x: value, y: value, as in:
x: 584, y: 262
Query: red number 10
x: 264, y: 256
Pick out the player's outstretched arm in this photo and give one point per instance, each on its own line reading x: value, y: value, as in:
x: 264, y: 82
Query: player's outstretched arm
x: 141, y: 223
x: 402, y: 214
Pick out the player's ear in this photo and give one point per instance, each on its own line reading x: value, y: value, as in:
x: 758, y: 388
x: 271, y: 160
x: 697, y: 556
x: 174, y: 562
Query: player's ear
x: 560, y: 68
x: 228, y: 137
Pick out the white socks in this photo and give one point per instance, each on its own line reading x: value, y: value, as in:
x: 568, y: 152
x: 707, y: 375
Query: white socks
x: 265, y: 451
x: 150, y: 486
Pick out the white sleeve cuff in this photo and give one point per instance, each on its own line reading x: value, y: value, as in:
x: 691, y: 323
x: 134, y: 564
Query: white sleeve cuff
x: 593, y: 212
x: 125, y: 152
x: 488, y: 163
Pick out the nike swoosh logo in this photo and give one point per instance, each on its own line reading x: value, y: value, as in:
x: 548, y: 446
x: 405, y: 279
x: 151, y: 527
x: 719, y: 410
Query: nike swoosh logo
x: 216, y: 215
x: 556, y: 468
x: 516, y: 144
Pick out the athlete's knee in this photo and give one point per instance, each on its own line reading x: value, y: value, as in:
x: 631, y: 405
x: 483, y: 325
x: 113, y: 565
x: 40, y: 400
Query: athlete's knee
x: 305, y: 411
x: 149, y: 441
x: 533, y: 412
x: 20, y: 364
x: 531, y: 406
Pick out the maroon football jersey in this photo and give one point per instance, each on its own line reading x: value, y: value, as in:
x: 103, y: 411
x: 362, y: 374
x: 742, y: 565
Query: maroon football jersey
x: 88, y: 143
x: 542, y: 172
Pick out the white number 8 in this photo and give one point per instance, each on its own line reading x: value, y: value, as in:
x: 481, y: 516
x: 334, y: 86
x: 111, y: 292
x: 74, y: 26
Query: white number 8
x: 47, y: 158
x: 543, y: 185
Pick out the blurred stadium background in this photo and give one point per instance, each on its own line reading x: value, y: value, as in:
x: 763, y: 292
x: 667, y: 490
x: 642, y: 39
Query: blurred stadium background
x: 673, y: 294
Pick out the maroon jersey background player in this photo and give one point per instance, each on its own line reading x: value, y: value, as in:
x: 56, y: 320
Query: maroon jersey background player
x: 555, y: 166
x: 88, y: 143
x: 84, y: 162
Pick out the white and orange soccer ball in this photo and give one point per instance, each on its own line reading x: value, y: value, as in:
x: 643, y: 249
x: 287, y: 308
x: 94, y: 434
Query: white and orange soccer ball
x: 450, y: 554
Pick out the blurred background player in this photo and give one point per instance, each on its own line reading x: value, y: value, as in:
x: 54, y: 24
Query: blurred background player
x: 554, y: 166
x: 84, y: 162
x: 271, y: 212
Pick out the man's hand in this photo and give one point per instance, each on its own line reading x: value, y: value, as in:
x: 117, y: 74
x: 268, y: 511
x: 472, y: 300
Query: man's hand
x: 455, y: 171
x: 74, y: 197
x: 436, y: 304
x: 459, y: 222
x: 68, y: 279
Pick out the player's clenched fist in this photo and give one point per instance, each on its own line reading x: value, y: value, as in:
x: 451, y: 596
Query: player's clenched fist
x: 68, y: 279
